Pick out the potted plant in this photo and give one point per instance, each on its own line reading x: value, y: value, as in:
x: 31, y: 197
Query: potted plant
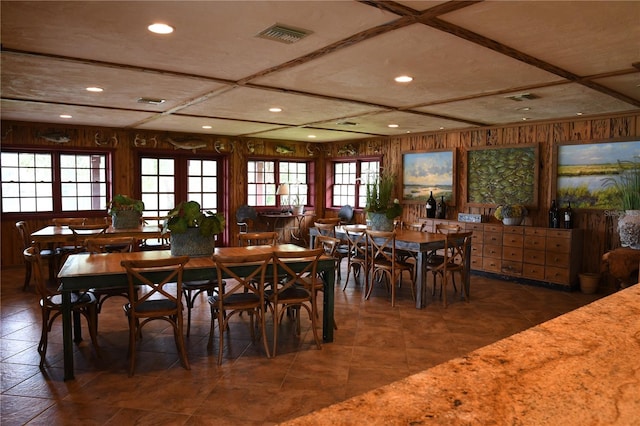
x: 510, y: 214
x: 192, y: 231
x: 627, y: 186
x: 125, y: 211
x: 381, y: 208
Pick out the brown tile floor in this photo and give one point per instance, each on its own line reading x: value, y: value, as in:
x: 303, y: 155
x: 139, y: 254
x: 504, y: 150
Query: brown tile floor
x: 374, y: 345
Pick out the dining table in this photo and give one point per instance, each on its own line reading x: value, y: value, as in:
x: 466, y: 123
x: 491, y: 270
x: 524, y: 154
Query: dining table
x: 85, y: 271
x: 418, y: 242
x: 63, y: 234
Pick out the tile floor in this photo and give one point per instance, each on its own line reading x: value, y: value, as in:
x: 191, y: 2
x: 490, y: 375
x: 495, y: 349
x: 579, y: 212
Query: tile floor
x: 374, y: 345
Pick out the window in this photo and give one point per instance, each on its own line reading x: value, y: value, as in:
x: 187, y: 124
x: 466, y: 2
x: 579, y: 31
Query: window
x: 36, y: 181
x: 166, y: 181
x: 264, y: 177
x: 350, y: 180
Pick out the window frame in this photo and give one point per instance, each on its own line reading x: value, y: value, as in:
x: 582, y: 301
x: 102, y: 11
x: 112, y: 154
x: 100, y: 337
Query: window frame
x: 331, y: 179
x: 56, y: 184
x: 279, y: 204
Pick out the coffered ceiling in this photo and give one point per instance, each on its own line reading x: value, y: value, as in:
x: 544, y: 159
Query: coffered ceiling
x: 473, y: 64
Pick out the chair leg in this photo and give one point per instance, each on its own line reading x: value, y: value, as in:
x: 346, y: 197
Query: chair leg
x: 27, y: 276
x: 42, y: 345
x: 133, y: 331
x: 91, y: 314
x: 182, y: 350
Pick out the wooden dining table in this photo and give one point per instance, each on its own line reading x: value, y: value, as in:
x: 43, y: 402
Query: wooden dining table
x: 63, y: 234
x: 421, y: 243
x: 85, y: 271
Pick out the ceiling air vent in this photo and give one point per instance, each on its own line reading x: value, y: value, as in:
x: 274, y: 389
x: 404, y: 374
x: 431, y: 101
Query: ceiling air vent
x: 523, y: 97
x: 283, y: 34
x: 346, y: 123
x: 150, y: 101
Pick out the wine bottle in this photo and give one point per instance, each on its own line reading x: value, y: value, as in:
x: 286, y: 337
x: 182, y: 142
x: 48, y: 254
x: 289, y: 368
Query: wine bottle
x: 431, y: 206
x: 554, y: 219
x: 441, y: 209
x: 568, y: 217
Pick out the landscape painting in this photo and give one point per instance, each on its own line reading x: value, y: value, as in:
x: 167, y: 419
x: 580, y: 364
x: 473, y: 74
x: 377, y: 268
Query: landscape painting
x: 425, y: 173
x: 584, y: 170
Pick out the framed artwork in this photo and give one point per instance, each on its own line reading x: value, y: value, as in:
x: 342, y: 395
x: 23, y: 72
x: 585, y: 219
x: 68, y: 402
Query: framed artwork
x: 502, y: 175
x: 583, y: 170
x: 428, y: 172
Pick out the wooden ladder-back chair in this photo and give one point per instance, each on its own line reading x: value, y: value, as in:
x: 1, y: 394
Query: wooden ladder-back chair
x: 329, y: 220
x: 358, y: 257
x: 110, y: 245
x: 244, y: 293
x: 385, y: 263
x: 158, y: 300
x: 51, y: 303
x: 83, y: 233
x: 49, y: 255
x: 436, y: 257
x: 456, y: 249
x: 330, y: 246
x: 267, y: 238
x: 295, y: 291
x: 342, y: 249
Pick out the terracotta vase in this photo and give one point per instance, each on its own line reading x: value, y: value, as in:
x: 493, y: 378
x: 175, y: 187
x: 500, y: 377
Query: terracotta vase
x: 629, y: 229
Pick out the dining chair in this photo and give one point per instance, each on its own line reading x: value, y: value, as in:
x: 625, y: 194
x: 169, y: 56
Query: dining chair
x: 385, y: 262
x: 436, y: 257
x: 109, y: 245
x: 330, y: 220
x: 83, y: 233
x: 342, y: 249
x: 49, y: 255
x: 456, y: 248
x: 84, y: 304
x: 161, y: 242
x: 66, y: 221
x: 258, y: 238
x: 160, y: 283
x: 244, y: 293
x: 329, y: 245
x: 295, y: 291
x: 358, y: 256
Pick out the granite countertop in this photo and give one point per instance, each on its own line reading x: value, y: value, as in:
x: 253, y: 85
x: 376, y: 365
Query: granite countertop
x: 580, y: 368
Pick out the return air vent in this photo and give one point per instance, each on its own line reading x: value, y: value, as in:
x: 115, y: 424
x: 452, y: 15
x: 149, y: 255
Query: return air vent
x: 150, y: 101
x: 283, y: 34
x: 523, y: 97
x: 346, y: 123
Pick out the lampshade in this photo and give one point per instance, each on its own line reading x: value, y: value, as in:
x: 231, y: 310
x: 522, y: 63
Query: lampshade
x: 283, y: 189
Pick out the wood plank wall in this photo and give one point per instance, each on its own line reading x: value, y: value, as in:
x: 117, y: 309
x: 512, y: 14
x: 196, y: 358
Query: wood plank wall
x: 599, y: 228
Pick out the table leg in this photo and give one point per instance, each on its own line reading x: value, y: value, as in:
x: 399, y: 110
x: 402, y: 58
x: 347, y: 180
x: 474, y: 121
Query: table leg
x: 421, y: 279
x: 77, y: 327
x: 67, y: 336
x: 329, y: 277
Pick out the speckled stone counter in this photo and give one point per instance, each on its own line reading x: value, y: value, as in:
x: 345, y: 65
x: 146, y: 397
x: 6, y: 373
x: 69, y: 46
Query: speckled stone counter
x: 582, y: 368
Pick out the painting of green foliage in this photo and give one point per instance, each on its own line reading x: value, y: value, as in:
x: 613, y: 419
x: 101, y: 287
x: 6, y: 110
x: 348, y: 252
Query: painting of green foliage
x: 584, y: 170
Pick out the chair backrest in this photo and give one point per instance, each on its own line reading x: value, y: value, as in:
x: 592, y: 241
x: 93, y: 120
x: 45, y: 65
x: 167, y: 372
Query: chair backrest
x: 328, y: 244
x: 156, y: 278
x: 327, y: 229
x: 251, y: 279
x: 413, y: 226
x: 258, y: 239
x: 447, y: 228
x: 32, y: 255
x: 382, y: 246
x: 110, y: 244
x: 331, y: 220
x: 457, y: 245
x: 67, y: 221
x: 82, y: 233
x: 287, y: 276
x: 25, y: 235
x: 357, y: 241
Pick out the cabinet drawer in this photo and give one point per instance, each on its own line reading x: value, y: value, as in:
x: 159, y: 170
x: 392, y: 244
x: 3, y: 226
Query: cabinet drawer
x: 493, y: 228
x: 516, y: 230
x: 534, y: 256
x: 512, y: 253
x: 492, y: 238
x: 535, y: 272
x: 559, y: 233
x: 556, y: 275
x: 541, y: 232
x: 560, y: 260
x: 489, y: 250
x: 476, y: 249
x: 511, y: 268
x: 476, y: 262
x: 512, y: 240
x: 490, y: 264
x: 477, y: 237
x: 561, y: 245
x: 536, y: 242
x: 475, y: 227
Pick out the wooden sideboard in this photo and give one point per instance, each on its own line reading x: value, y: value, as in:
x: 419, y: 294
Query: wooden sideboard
x: 547, y: 255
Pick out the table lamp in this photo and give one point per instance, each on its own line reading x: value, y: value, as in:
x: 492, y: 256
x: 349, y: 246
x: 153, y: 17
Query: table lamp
x: 283, y: 189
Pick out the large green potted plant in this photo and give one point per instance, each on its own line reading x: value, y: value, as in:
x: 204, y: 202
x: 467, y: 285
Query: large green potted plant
x: 381, y: 208
x: 125, y: 211
x: 192, y: 231
x: 627, y: 186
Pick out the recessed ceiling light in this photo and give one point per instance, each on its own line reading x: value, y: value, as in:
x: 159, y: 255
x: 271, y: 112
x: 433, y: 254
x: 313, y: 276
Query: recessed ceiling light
x: 275, y: 109
x: 159, y: 28
x: 524, y: 118
x: 578, y: 113
x: 403, y: 79
x: 94, y: 89
x: 441, y: 128
x: 393, y: 126
x: 311, y: 136
x: 206, y: 127
x: 65, y: 116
